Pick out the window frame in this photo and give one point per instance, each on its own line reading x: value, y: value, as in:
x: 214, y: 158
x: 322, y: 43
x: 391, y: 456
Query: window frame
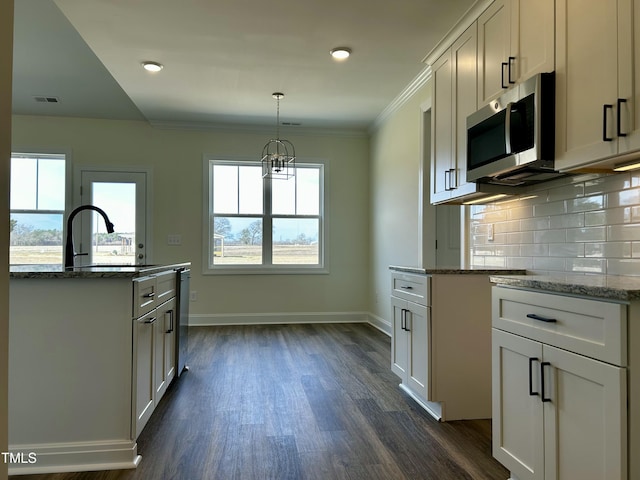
x: 267, y: 266
x: 39, y: 153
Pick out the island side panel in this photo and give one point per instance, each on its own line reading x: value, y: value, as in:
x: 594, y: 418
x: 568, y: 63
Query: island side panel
x: 70, y: 356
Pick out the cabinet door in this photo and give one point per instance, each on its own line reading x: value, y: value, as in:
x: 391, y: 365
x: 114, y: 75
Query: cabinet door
x: 532, y: 38
x: 399, y: 343
x: 585, y: 418
x: 417, y: 325
x: 517, y: 411
x: 442, y: 127
x: 169, y: 369
x: 163, y: 348
x: 464, y: 54
x: 143, y: 347
x: 586, y: 81
x: 494, y: 31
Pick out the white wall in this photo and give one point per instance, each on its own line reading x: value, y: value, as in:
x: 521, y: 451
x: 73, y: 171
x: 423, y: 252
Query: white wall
x: 177, y: 161
x: 6, y: 55
x: 395, y: 198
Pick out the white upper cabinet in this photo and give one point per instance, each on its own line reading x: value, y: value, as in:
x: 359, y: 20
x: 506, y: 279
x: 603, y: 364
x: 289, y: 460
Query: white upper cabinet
x: 596, y: 115
x: 515, y: 42
x: 454, y: 99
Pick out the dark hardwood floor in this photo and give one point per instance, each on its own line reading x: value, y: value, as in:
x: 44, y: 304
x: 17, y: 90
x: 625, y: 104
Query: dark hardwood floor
x: 298, y: 402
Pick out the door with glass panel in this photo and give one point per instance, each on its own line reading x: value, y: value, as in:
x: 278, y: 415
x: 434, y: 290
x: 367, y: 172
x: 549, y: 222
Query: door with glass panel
x: 123, y: 197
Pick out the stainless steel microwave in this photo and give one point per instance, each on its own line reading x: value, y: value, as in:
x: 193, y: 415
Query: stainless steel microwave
x: 511, y: 141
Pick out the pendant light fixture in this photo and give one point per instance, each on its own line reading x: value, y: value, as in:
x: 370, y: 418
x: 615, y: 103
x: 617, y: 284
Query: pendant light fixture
x: 278, y: 155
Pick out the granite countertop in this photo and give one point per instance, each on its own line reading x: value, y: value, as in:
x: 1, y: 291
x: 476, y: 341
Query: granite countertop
x: 457, y: 271
x: 611, y: 287
x: 94, y: 271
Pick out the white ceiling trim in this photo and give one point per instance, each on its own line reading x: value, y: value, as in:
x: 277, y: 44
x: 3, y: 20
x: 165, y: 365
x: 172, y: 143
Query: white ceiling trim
x: 421, y: 79
x: 259, y: 129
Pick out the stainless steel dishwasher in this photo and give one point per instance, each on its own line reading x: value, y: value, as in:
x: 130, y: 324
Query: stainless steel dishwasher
x: 182, y: 328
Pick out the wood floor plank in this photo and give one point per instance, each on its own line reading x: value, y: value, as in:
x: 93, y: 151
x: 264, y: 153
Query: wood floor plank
x: 299, y: 402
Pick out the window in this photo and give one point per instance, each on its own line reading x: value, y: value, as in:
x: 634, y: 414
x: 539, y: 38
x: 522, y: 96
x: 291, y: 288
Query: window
x: 260, y: 225
x: 37, y: 206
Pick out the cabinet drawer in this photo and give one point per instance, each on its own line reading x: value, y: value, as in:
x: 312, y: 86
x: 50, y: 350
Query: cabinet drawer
x: 166, y: 286
x: 594, y: 328
x: 414, y: 288
x: 144, y: 295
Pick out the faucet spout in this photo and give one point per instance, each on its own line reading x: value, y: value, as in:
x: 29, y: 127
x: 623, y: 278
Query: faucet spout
x: 69, y: 250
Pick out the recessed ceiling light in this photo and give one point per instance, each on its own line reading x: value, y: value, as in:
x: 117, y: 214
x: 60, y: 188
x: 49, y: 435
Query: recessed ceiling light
x: 340, y: 53
x: 152, y: 66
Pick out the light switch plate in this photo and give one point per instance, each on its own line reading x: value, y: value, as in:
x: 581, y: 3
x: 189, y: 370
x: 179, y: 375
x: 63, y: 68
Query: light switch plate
x: 174, y: 239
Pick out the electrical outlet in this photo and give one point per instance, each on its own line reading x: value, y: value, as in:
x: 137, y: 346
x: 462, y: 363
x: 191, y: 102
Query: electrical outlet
x: 174, y: 239
x: 193, y: 296
x: 490, y: 232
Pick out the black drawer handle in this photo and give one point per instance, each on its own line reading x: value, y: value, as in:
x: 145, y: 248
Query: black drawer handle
x: 406, y: 287
x: 149, y: 295
x: 540, y: 318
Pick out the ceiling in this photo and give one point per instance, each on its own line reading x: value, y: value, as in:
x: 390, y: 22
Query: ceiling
x: 223, y: 59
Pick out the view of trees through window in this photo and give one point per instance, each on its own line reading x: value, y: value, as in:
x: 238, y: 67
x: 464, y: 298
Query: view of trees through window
x: 37, y: 208
x: 262, y: 222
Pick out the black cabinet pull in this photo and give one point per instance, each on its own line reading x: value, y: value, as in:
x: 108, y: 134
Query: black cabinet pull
x: 503, y: 64
x: 455, y: 179
x: 619, y: 115
x: 406, y: 324
x: 403, y: 319
x: 531, y: 360
x: 406, y: 287
x: 170, y: 312
x: 540, y: 318
x: 542, y: 365
x: 605, y: 107
x: 510, y: 62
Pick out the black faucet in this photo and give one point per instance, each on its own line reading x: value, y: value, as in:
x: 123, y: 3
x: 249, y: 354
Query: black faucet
x: 69, y: 251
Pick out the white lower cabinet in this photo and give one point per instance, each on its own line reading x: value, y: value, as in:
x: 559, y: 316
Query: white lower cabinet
x: 559, y: 414
x: 410, y: 359
x: 154, y: 345
x: 441, y: 346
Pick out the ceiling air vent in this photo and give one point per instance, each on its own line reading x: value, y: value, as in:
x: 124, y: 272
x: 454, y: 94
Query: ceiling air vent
x: 42, y: 99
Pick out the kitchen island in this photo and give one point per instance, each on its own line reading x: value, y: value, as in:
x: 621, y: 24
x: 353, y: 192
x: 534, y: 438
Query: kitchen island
x: 83, y: 373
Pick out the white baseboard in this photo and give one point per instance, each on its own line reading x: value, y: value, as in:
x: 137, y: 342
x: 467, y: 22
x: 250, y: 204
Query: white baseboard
x: 74, y: 457
x: 215, y: 319
x: 380, y: 323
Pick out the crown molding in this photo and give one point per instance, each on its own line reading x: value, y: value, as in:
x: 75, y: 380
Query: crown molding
x: 418, y: 82
x: 458, y: 29
x: 259, y: 129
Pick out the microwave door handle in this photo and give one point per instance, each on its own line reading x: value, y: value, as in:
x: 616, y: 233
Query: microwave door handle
x: 507, y: 128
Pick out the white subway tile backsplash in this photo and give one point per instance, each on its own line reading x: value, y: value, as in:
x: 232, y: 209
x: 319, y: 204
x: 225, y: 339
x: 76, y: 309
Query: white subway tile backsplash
x: 623, y: 232
x: 553, y: 208
x: 607, y: 183
x: 587, y: 234
x: 617, y: 266
x: 536, y: 223
x: 568, y: 220
x: 608, y: 249
x: 591, y: 226
x: 550, y: 236
x: 586, y: 265
x: 566, y: 250
x: 584, y: 204
x: 548, y: 264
